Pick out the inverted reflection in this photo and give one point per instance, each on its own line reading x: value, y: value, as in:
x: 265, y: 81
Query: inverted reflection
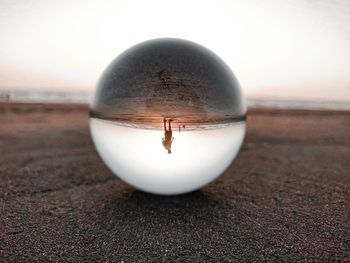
x: 168, y: 135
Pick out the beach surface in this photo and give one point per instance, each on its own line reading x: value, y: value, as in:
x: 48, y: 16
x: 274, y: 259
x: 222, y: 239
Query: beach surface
x: 284, y: 199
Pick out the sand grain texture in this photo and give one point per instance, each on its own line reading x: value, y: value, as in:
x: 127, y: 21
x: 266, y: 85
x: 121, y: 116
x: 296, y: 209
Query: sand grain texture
x: 285, y: 198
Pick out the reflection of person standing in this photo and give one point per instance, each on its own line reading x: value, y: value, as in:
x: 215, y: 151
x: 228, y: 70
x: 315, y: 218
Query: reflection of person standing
x: 167, y: 139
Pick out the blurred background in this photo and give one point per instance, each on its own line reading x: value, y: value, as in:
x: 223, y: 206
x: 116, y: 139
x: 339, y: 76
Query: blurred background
x: 292, y: 54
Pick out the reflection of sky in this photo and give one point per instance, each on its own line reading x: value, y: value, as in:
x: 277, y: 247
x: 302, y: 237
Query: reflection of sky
x: 138, y: 157
x: 275, y: 48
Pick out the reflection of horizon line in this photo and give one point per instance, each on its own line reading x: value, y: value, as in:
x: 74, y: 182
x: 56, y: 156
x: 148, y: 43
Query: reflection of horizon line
x: 156, y: 123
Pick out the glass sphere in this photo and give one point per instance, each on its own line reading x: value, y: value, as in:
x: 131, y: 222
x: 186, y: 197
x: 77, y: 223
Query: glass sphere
x: 168, y: 116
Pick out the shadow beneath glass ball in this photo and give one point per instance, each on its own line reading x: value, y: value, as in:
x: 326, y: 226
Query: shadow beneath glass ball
x: 139, y: 209
x: 194, y: 200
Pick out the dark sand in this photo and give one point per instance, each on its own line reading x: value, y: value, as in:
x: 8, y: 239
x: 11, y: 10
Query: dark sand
x: 285, y: 199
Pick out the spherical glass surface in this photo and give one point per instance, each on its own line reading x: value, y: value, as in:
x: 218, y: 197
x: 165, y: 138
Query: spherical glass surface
x: 168, y: 116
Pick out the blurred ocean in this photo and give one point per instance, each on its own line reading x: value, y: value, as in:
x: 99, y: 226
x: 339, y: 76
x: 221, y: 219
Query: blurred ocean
x: 44, y: 96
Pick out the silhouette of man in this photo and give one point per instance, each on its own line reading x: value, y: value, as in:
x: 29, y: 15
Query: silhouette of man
x: 167, y: 139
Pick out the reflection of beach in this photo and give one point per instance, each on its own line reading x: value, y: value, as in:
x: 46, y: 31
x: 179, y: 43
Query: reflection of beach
x: 189, y: 110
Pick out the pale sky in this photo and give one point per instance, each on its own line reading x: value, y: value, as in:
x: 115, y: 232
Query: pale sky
x: 287, y: 49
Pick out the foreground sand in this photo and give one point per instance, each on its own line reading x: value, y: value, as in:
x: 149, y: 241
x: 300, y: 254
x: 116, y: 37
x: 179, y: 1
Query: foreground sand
x: 285, y: 198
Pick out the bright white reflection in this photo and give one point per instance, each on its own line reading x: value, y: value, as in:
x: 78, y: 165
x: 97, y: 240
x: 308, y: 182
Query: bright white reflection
x: 139, y: 158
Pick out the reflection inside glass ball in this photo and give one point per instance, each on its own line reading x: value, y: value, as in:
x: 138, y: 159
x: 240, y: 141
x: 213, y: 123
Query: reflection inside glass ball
x: 168, y: 116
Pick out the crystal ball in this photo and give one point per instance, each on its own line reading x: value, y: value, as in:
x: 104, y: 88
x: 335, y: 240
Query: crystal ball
x: 168, y: 116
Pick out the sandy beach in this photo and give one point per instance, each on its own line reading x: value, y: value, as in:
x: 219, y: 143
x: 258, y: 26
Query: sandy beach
x: 284, y: 199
